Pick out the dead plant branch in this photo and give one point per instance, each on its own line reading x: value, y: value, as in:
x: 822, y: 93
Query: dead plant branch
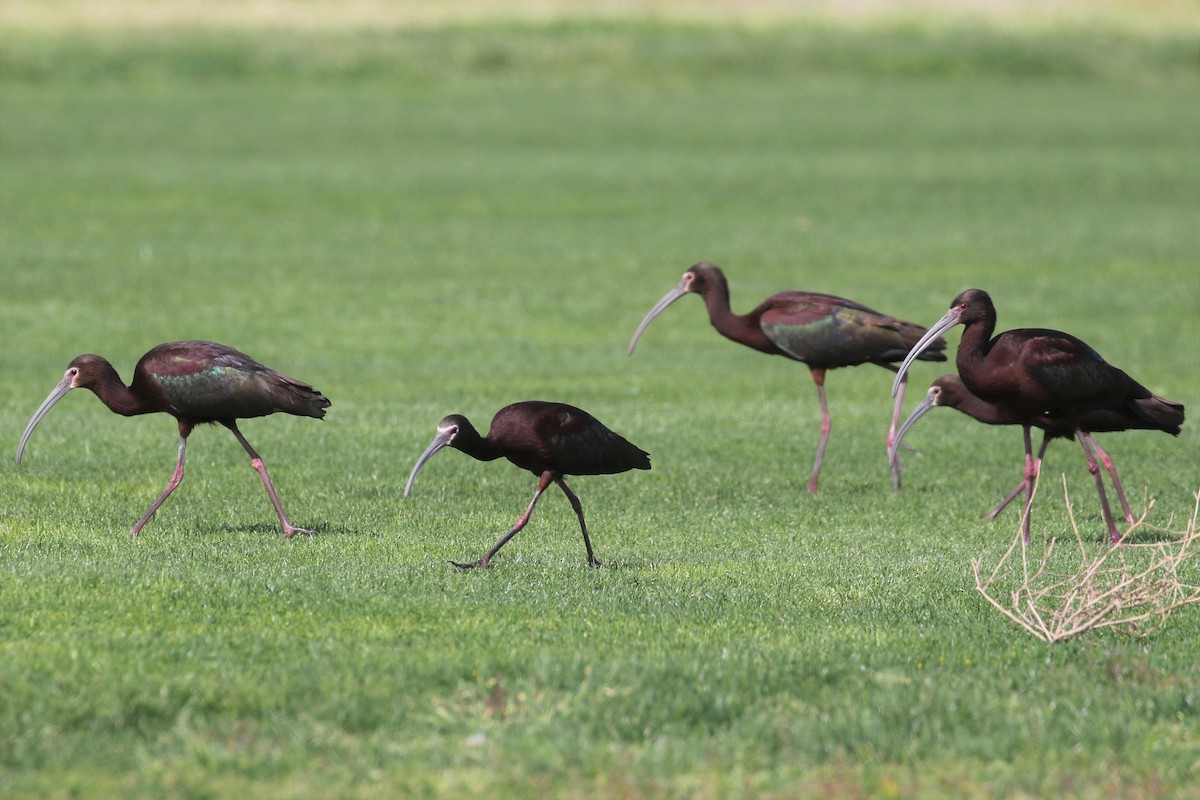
x: 1132, y: 588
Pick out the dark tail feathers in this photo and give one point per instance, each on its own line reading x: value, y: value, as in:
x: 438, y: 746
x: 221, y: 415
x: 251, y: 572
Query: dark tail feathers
x: 301, y: 399
x: 1167, y: 415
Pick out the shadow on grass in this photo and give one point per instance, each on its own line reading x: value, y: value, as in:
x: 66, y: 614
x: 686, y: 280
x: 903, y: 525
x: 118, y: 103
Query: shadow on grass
x: 1151, y: 536
x: 605, y: 566
x: 323, y: 529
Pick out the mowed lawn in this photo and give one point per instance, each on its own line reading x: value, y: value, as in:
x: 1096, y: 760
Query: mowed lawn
x: 449, y: 220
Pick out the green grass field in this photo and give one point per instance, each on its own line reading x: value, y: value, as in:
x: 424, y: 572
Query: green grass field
x: 450, y: 219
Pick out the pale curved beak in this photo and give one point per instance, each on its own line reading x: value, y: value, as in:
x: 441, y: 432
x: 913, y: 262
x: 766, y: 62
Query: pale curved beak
x: 439, y: 441
x: 668, y: 298
x: 921, y: 410
x: 941, y: 326
x: 64, y: 386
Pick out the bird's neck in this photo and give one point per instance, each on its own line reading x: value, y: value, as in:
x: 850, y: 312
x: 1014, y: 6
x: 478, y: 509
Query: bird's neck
x: 113, y: 392
x: 985, y: 412
x: 741, y: 328
x: 470, y: 442
x: 973, y: 351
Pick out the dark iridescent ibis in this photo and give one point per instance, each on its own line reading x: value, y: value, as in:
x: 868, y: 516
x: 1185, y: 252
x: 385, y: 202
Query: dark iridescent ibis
x: 1038, y: 373
x: 949, y: 391
x: 548, y: 439
x: 821, y: 331
x: 194, y: 382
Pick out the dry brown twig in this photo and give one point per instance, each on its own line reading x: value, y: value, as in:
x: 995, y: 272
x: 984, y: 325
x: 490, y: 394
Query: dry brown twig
x: 1132, y: 588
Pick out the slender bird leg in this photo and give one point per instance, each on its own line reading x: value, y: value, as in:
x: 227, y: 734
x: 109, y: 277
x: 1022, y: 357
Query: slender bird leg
x: 289, y: 530
x: 176, y: 479
x: 818, y: 376
x: 1084, y: 441
x: 1112, y: 471
x: 543, y: 482
x: 1031, y: 474
x: 891, y: 437
x: 575, y: 504
x: 995, y: 512
x: 1037, y: 469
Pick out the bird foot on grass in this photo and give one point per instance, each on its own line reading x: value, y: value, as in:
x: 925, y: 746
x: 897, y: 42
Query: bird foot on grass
x: 291, y: 530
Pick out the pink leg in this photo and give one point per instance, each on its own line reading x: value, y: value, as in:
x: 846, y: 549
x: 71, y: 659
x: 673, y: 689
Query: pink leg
x: 1031, y: 473
x: 1112, y: 471
x: 289, y: 530
x: 826, y: 425
x: 891, y: 437
x: 1086, y: 442
x: 484, y: 562
x: 1037, y: 470
x: 176, y: 479
x: 575, y: 504
x: 995, y: 512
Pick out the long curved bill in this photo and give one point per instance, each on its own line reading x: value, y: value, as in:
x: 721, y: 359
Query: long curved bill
x: 668, y: 298
x: 941, y: 326
x: 441, y: 440
x: 921, y: 410
x: 64, y: 386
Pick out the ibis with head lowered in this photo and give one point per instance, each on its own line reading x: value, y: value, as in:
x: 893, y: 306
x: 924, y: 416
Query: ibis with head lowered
x: 948, y: 391
x: 551, y: 440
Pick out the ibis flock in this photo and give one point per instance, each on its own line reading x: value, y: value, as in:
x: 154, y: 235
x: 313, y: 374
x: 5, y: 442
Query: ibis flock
x: 1031, y: 377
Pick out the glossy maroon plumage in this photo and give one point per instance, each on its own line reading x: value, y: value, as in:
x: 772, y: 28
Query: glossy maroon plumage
x: 1035, y: 374
x: 548, y: 439
x: 822, y: 331
x: 196, y: 382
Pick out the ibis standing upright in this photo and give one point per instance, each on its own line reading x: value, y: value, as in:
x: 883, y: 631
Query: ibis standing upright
x: 1039, y: 376
x: 195, y: 382
x: 548, y: 439
x: 821, y: 331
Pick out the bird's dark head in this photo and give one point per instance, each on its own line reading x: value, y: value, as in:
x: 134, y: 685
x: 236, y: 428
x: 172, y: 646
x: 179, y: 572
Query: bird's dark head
x: 973, y: 305
x: 452, y: 430
x: 450, y: 426
x: 948, y: 391
x: 969, y: 307
x: 84, y: 372
x: 699, y: 279
x: 87, y: 371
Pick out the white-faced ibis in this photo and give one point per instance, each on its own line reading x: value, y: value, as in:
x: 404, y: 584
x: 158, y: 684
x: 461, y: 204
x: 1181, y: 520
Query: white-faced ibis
x: 1033, y: 374
x: 949, y: 391
x: 195, y: 382
x: 548, y: 439
x: 819, y: 330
